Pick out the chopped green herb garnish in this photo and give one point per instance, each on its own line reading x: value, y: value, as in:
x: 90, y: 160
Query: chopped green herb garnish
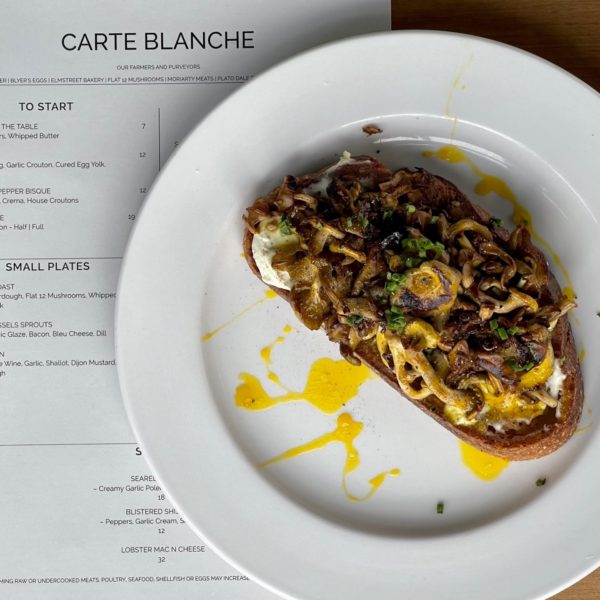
x: 395, y: 320
x: 434, y: 220
x: 501, y: 333
x: 349, y: 222
x: 496, y: 222
x: 410, y: 208
x: 394, y: 281
x: 285, y: 227
x: 422, y: 245
x: 440, y: 508
x: 518, y: 368
x: 319, y: 225
x: 387, y: 214
x: 413, y: 261
x: 362, y: 220
x: 354, y: 319
x: 541, y: 481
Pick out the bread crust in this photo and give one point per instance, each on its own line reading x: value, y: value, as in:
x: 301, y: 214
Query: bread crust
x: 549, y: 434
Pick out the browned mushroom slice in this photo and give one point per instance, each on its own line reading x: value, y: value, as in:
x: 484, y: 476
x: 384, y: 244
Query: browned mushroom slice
x: 429, y: 289
x: 307, y: 296
x: 465, y: 225
x: 510, y: 268
x: 412, y: 366
x: 285, y: 194
x: 541, y: 395
x: 374, y: 266
x: 496, y: 364
x: 552, y: 313
x: 516, y: 299
x: 336, y: 284
x: 309, y: 200
x: 348, y: 251
x: 363, y: 307
x: 309, y: 304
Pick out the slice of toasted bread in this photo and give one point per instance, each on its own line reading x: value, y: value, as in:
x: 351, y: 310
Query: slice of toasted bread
x: 424, y: 192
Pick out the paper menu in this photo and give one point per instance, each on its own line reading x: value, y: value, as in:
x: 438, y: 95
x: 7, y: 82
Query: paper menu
x: 93, y: 100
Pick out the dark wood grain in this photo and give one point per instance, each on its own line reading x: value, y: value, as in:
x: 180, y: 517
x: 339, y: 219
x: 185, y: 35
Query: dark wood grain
x: 564, y: 32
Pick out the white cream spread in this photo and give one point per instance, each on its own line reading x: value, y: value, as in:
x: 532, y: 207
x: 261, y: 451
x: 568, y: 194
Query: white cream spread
x: 320, y: 186
x: 265, y: 245
x: 555, y: 381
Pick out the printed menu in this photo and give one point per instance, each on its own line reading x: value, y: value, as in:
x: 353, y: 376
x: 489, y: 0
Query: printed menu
x: 94, y: 98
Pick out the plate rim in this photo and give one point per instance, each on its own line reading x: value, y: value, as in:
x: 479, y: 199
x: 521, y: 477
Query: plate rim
x: 151, y: 201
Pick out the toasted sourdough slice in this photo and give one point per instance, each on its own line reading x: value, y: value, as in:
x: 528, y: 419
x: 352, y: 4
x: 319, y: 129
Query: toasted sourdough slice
x: 423, y: 286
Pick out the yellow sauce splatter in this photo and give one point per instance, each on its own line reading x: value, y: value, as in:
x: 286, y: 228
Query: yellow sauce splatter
x: 330, y: 384
x: 456, y: 83
x: 265, y: 355
x: 346, y: 432
x: 488, y: 184
x: 581, y: 354
x: 483, y: 465
x: 269, y: 295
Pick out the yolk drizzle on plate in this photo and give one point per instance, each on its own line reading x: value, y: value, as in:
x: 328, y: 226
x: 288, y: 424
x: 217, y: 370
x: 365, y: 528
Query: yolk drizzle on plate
x: 457, y: 81
x: 265, y: 355
x: 329, y: 386
x: 488, y: 184
x: 269, y: 295
x: 483, y: 465
x: 346, y: 432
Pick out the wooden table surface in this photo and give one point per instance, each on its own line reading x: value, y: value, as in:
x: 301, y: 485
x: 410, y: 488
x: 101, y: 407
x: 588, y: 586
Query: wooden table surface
x: 566, y: 32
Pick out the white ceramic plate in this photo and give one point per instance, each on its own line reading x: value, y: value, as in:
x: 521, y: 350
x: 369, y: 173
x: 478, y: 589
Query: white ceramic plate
x: 290, y: 526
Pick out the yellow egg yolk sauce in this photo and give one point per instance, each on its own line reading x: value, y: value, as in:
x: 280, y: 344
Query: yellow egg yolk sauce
x: 269, y: 295
x: 346, y: 431
x: 483, y: 465
x: 330, y: 384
